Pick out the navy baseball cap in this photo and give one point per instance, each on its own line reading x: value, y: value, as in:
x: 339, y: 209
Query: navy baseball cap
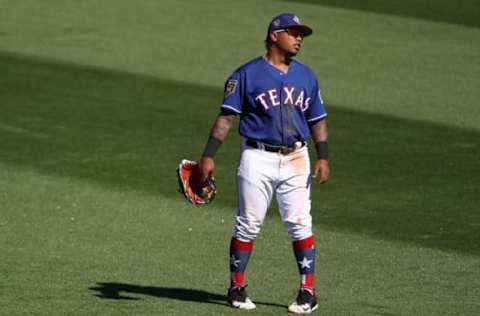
x: 288, y: 20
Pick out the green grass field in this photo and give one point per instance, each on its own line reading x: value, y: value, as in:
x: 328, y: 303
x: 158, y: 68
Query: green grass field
x: 100, y: 100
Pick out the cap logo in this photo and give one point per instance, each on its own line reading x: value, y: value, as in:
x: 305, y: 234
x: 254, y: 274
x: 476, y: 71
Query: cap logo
x: 276, y: 23
x: 296, y: 19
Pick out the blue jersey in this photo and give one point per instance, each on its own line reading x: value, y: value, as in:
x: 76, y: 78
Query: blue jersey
x: 274, y: 107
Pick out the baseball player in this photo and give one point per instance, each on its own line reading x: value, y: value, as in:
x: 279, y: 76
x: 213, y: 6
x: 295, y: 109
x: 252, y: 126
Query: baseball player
x: 280, y: 107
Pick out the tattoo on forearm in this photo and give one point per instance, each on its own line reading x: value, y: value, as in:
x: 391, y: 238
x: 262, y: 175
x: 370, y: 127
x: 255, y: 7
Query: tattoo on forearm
x: 222, y: 126
x: 320, y: 131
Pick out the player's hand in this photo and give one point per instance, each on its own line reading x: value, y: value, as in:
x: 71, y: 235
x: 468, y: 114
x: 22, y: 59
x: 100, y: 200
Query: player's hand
x: 206, y: 167
x: 321, y: 170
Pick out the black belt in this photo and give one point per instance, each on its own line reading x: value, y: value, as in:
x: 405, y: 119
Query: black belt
x: 284, y: 150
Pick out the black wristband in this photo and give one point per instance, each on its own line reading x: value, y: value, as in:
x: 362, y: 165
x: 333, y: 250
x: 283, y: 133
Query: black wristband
x: 211, y: 147
x: 322, y: 150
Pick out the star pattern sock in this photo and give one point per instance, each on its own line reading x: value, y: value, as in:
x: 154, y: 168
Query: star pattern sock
x: 240, y: 252
x: 304, y: 251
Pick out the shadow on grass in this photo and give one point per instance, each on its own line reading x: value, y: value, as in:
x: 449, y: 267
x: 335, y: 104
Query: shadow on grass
x: 461, y: 12
x: 392, y: 178
x: 121, y: 291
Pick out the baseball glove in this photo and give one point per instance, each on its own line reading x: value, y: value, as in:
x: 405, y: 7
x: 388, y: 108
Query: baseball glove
x: 194, y: 190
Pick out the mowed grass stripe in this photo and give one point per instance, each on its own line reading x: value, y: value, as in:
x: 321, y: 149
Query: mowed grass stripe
x: 464, y: 12
x: 393, y: 179
x: 403, y: 67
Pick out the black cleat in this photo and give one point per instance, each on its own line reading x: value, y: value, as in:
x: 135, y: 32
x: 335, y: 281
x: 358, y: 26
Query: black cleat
x: 305, y: 303
x: 237, y: 297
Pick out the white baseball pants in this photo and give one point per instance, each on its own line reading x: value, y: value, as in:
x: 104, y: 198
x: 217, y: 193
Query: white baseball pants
x: 260, y: 175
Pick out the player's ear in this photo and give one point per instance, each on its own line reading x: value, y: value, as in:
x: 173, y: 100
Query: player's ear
x: 273, y: 37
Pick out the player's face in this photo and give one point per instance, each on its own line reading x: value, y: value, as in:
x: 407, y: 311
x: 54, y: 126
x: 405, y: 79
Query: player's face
x: 290, y: 40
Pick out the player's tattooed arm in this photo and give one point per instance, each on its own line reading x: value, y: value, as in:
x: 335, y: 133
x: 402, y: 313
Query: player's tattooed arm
x: 222, y: 126
x: 219, y: 132
x: 319, y: 131
x: 320, y: 137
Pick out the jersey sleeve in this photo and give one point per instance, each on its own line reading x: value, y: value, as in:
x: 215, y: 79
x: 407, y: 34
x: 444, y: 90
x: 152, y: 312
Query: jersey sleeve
x: 233, y: 93
x: 316, y: 110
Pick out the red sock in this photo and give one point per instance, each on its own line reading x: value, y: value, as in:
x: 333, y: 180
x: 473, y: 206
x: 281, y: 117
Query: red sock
x: 304, y: 250
x: 240, y: 252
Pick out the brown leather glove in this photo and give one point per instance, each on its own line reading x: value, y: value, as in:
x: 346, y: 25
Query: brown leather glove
x: 195, y: 190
